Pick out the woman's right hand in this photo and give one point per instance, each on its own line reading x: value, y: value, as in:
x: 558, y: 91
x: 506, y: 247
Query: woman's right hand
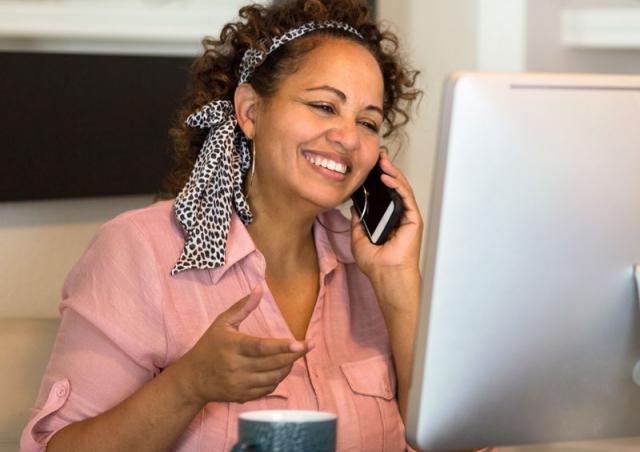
x: 228, y: 366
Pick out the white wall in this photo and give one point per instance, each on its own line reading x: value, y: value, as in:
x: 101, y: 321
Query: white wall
x: 40, y: 241
x: 125, y: 27
x: 546, y: 53
x: 439, y: 38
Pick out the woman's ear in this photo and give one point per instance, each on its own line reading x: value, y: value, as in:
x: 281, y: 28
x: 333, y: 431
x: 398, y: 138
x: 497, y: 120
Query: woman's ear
x: 245, y: 101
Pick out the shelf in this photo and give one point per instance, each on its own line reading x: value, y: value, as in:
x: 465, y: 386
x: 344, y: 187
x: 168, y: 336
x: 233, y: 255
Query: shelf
x: 604, y: 28
x: 173, y: 28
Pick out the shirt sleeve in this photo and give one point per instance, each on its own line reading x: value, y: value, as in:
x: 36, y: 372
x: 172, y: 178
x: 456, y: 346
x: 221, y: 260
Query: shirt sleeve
x: 111, y: 339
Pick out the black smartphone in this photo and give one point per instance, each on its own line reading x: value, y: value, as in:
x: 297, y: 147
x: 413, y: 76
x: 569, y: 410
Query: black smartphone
x: 379, y: 207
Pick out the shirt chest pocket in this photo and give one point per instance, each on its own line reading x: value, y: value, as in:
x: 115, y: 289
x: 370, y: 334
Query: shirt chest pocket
x: 372, y: 383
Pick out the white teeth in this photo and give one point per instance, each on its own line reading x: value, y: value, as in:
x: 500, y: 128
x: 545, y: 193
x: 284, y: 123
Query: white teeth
x: 329, y: 164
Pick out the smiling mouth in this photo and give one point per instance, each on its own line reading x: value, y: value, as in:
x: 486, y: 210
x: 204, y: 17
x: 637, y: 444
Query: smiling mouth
x: 327, y: 163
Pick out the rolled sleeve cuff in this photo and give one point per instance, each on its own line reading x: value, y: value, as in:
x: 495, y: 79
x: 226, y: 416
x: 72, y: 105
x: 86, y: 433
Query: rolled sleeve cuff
x: 43, y: 425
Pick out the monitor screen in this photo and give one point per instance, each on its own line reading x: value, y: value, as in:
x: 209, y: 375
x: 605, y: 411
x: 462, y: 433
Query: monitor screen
x: 529, y: 328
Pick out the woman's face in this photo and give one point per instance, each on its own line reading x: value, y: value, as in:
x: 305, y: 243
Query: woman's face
x: 317, y: 138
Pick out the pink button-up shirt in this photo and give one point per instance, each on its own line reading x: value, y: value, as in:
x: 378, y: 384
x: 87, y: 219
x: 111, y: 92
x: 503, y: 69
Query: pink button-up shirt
x: 124, y: 318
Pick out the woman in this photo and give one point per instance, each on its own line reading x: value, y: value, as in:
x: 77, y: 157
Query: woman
x: 272, y: 302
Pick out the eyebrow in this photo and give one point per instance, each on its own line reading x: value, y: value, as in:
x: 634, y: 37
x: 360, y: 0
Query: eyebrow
x: 343, y: 96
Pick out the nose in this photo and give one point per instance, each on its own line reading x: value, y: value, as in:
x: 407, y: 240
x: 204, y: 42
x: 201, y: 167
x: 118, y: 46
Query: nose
x: 345, y: 135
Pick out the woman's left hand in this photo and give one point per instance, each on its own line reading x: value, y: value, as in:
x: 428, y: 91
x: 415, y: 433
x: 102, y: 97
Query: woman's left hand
x: 401, y: 252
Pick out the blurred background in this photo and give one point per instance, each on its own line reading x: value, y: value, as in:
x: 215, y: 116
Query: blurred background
x: 88, y: 91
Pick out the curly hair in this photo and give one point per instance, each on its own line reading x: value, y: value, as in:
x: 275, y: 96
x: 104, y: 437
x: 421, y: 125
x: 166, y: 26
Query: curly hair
x: 215, y: 74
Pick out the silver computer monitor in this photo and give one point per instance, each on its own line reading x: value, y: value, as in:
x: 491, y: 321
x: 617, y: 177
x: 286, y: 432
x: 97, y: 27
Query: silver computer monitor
x: 529, y: 327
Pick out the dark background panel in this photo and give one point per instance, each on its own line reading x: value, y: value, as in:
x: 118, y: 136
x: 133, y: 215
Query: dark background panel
x: 86, y: 125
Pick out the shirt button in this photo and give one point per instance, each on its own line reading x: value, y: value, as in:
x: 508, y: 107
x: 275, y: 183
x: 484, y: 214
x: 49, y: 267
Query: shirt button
x: 61, y: 390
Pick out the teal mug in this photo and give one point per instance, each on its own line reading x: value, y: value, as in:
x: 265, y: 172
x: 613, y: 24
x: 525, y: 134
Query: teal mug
x: 286, y: 431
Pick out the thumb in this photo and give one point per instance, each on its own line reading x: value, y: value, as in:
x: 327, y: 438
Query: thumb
x: 241, y: 309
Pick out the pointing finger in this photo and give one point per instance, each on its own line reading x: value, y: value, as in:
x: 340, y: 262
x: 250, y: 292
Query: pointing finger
x: 258, y: 347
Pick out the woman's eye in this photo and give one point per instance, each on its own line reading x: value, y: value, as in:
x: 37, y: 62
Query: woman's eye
x: 324, y: 107
x: 370, y: 125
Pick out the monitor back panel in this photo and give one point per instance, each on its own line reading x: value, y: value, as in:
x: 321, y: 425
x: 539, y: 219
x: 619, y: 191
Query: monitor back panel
x: 529, y: 298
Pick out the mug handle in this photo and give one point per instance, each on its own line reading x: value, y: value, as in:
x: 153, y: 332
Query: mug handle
x: 247, y: 447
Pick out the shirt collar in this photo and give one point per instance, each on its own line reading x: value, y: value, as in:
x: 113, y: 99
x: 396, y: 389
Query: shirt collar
x: 332, y: 233
x: 239, y: 245
x: 332, y: 247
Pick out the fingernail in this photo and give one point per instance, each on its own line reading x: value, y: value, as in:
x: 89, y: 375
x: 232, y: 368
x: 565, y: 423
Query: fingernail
x: 296, y: 346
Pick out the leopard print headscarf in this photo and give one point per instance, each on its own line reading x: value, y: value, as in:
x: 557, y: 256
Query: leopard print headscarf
x: 203, y: 206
